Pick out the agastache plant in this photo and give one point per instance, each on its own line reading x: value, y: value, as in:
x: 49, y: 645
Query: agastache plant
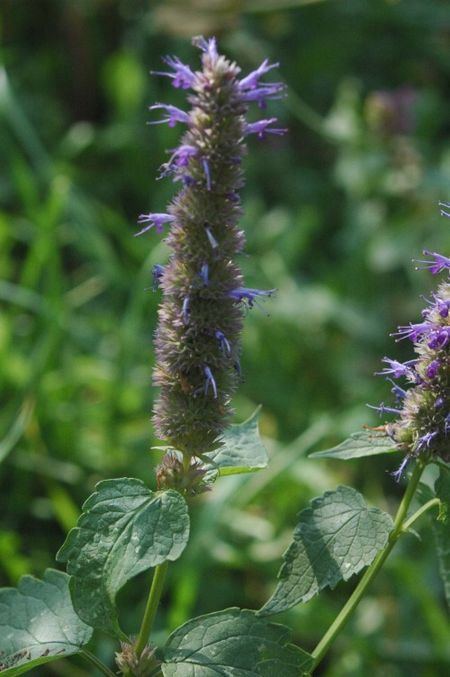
x: 422, y: 406
x: 201, y: 315
x: 127, y: 528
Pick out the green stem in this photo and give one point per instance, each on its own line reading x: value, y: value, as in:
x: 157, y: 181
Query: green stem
x: 426, y: 506
x: 353, y: 601
x: 152, y: 607
x: 97, y: 663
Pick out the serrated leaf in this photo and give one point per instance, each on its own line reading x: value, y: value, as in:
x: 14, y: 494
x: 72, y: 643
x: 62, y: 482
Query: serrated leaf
x: 38, y: 623
x: 362, y: 443
x: 441, y: 529
x: 232, y: 643
x: 125, y: 529
x: 241, y: 449
x: 336, y: 537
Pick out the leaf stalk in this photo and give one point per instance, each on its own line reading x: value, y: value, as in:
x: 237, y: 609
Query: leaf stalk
x: 151, y: 607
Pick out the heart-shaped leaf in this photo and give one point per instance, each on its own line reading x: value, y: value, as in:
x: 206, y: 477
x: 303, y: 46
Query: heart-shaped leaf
x: 232, y: 643
x: 125, y: 529
x: 363, y: 443
x: 241, y: 449
x: 38, y: 623
x: 336, y: 537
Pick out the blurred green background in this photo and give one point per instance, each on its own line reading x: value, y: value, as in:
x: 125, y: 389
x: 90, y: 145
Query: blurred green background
x: 334, y: 213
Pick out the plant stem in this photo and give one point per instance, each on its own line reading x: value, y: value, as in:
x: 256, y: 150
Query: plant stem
x: 152, y: 606
x: 353, y: 601
x: 97, y: 663
x: 426, y: 506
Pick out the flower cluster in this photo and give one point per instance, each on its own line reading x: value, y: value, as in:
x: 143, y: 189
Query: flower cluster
x: 204, y: 300
x: 422, y: 427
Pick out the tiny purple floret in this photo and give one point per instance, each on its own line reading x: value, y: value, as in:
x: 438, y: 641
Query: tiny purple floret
x: 185, y: 310
x: 261, y: 128
x: 398, y: 474
x: 382, y: 409
x: 249, y: 295
x: 204, y: 274
x: 157, y: 272
x: 435, y: 266
x: 397, y: 369
x: 413, y: 331
x: 210, y: 381
x: 207, y: 46
x: 223, y: 342
x: 252, y: 79
x: 155, y: 221
x: 207, y: 172
x: 173, y: 115
x: 182, y: 75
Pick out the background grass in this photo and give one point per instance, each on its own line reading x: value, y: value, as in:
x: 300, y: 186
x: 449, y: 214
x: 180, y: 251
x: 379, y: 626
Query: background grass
x: 334, y: 213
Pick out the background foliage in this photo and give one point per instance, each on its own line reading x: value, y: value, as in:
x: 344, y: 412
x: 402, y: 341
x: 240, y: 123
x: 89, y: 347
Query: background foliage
x: 334, y: 212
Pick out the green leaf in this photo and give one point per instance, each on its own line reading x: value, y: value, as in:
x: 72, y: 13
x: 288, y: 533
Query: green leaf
x: 233, y: 643
x: 336, y: 537
x: 125, y: 529
x: 38, y: 623
x: 441, y: 529
x: 241, y: 449
x: 363, y: 443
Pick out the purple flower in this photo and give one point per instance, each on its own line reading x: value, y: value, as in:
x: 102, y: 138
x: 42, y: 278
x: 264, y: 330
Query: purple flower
x: 205, y: 166
x: 209, y: 381
x: 433, y: 369
x: 179, y: 158
x: 209, y: 47
x: 156, y: 221
x: 185, y: 309
x: 249, y: 295
x: 398, y: 474
x: 382, y: 409
x: 182, y: 75
x: 397, y: 369
x: 157, y: 272
x: 223, y: 342
x: 204, y: 274
x: 271, y: 91
x: 174, y: 115
x: 425, y: 440
x: 261, y: 128
x: 197, y: 339
x: 435, y: 266
x: 399, y: 393
x: 439, y: 337
x: 211, y: 239
x: 252, y: 79
x: 413, y: 331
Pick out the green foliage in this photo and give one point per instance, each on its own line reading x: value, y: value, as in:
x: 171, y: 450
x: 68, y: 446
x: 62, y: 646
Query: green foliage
x: 125, y: 529
x: 441, y: 528
x: 336, y: 537
x: 232, y: 642
x: 334, y: 212
x: 241, y: 449
x: 38, y: 623
x: 363, y: 443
